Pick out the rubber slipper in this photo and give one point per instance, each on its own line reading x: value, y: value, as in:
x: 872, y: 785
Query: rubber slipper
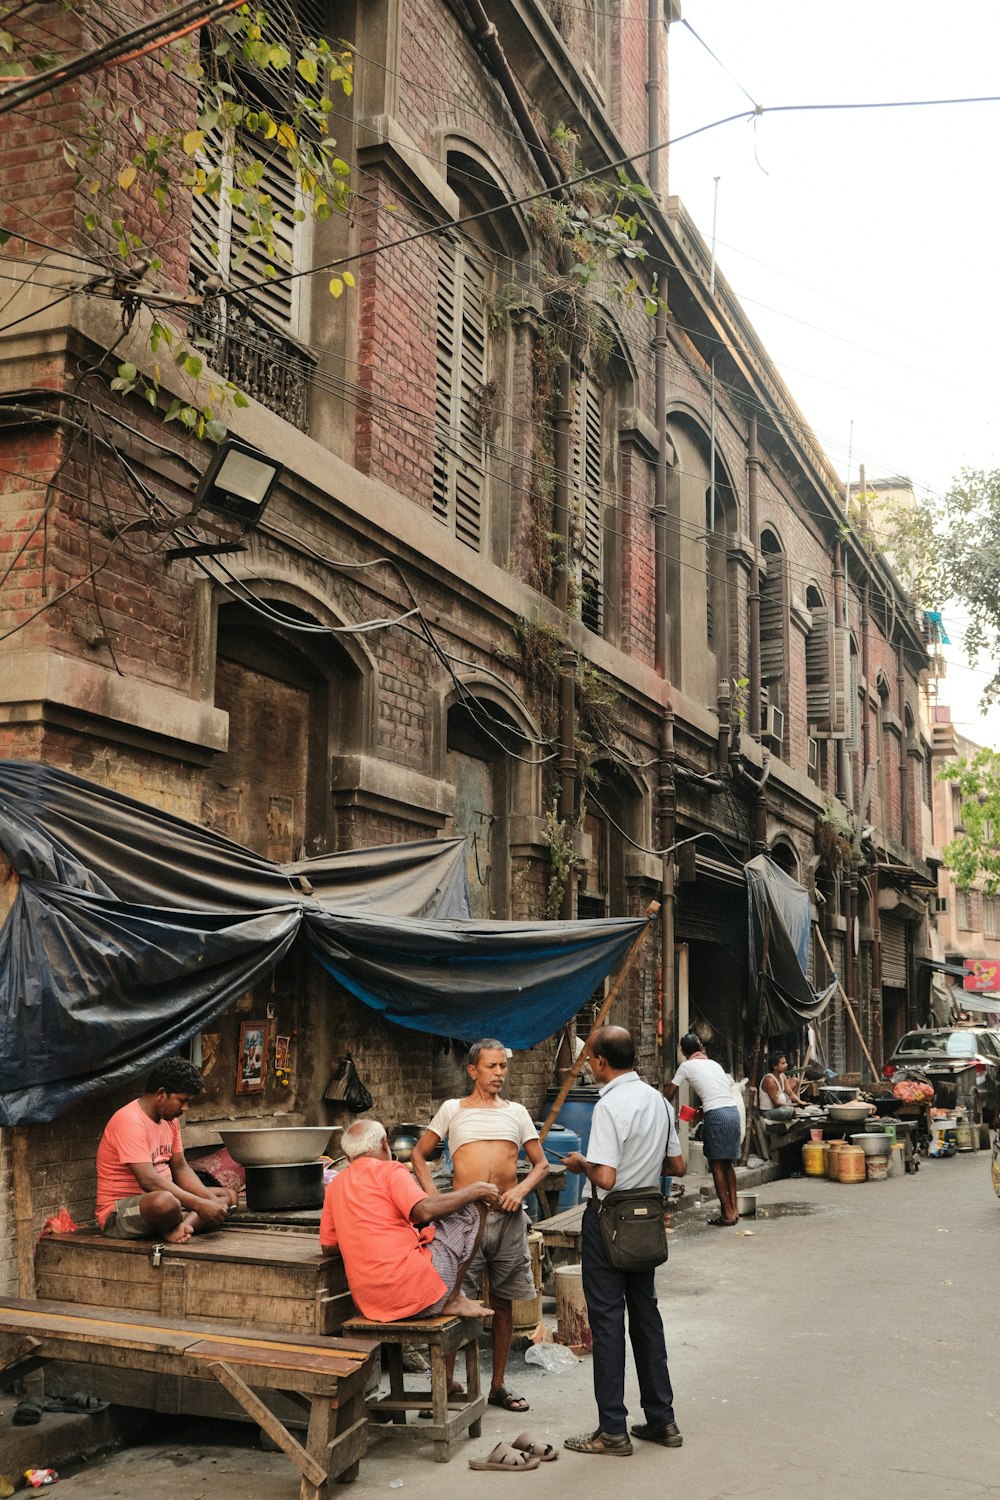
x: 507, y: 1400
x: 528, y: 1443
x: 718, y: 1222
x: 28, y: 1412
x: 76, y: 1401
x: 505, y: 1460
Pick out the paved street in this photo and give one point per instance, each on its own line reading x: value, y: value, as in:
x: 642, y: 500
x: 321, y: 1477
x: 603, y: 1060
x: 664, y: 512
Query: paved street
x: 846, y: 1346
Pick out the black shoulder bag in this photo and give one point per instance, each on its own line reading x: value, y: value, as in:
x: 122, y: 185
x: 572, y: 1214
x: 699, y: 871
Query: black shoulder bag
x: 632, y: 1228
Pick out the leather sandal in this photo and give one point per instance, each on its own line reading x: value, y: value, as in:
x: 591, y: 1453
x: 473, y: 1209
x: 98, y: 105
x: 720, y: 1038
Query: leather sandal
x: 504, y: 1460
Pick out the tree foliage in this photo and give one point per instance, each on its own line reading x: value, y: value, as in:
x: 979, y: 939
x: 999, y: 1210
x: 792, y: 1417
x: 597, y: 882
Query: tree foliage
x: 969, y: 542
x: 974, y: 856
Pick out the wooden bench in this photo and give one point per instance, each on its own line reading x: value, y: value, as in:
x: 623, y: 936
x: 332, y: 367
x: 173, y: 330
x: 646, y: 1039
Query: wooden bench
x: 450, y: 1417
x: 325, y: 1375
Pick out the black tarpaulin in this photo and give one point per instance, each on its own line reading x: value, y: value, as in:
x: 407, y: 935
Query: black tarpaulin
x: 132, y: 930
x: 779, y: 906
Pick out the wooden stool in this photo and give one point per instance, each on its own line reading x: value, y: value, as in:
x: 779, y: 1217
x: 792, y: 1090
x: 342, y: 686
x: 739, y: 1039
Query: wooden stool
x: 443, y: 1336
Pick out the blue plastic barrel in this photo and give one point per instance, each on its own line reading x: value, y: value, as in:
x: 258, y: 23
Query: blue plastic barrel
x: 559, y: 1142
x: 576, y: 1111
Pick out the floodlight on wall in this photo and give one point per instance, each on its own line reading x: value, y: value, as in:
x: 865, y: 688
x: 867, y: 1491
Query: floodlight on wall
x: 238, y: 482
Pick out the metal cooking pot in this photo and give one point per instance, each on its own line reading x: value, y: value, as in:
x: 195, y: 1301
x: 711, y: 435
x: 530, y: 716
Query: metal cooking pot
x: 403, y: 1139
x: 876, y: 1143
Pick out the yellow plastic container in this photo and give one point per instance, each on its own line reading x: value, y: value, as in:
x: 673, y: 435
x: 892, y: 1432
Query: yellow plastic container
x: 814, y: 1155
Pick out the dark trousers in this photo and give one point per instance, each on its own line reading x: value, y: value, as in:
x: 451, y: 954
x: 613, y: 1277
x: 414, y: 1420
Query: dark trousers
x: 609, y: 1292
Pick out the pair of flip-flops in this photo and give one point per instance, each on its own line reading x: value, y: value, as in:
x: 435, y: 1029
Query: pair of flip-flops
x: 521, y: 1453
x: 30, y: 1410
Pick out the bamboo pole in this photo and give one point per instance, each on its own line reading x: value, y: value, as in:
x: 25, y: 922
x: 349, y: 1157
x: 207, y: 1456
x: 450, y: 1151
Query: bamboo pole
x: 848, y: 1006
x: 609, y: 999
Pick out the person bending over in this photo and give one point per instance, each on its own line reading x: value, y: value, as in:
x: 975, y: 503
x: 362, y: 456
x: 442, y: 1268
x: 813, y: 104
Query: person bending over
x: 145, y: 1188
x: 405, y: 1250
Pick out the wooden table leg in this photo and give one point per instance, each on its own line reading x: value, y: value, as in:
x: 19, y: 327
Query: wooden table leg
x: 472, y: 1383
x: 439, y: 1401
x: 394, y: 1355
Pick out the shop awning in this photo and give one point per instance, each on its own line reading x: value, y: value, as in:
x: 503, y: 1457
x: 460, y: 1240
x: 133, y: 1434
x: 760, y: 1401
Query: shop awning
x: 133, y: 929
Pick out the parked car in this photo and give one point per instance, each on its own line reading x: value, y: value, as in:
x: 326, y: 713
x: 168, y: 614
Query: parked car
x: 945, y: 1054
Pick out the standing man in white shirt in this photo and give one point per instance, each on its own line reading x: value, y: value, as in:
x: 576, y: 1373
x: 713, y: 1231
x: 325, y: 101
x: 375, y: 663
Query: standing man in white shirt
x: 721, y: 1131
x: 485, y: 1133
x: 631, y: 1133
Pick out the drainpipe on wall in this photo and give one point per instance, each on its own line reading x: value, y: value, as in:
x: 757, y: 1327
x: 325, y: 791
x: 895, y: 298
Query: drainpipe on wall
x: 840, y: 620
x: 904, y: 750
x: 666, y: 788
x: 753, y: 592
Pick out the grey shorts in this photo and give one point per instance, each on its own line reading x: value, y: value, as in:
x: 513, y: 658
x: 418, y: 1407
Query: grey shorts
x: 503, y: 1252
x: 125, y: 1222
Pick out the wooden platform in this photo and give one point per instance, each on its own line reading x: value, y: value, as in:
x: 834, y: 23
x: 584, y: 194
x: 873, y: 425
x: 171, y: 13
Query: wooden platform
x: 273, y: 1277
x: 327, y: 1376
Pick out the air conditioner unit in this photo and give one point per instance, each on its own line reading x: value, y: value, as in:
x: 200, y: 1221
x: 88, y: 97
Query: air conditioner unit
x: 772, y: 729
x: 813, y: 756
x: 939, y: 905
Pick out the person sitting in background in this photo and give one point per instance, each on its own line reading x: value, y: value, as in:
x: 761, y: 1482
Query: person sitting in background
x: 720, y: 1130
x: 145, y: 1188
x: 405, y: 1250
x: 778, y: 1095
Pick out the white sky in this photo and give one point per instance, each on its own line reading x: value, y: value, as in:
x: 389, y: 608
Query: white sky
x: 861, y: 244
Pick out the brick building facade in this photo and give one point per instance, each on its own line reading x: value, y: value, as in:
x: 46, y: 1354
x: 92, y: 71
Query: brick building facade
x: 666, y: 643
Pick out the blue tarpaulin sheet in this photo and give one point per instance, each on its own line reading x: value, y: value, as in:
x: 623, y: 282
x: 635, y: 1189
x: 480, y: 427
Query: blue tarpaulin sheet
x: 132, y: 930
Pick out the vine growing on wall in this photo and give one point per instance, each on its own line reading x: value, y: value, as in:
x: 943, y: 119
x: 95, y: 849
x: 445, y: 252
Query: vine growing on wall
x: 265, y: 92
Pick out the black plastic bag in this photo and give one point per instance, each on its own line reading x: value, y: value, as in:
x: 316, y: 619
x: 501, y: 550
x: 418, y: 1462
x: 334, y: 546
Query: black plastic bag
x: 346, y: 1088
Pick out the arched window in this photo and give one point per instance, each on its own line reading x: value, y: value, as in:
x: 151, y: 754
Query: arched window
x: 775, y: 604
x: 286, y: 700
x: 471, y: 390
x: 482, y: 743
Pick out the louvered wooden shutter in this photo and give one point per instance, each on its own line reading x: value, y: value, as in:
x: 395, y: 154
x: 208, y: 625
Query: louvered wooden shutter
x: 591, y: 450
x: 249, y: 262
x: 842, y: 690
x: 220, y: 233
x: 774, y: 619
x: 893, y: 950
x: 459, y: 462
x: 819, y: 662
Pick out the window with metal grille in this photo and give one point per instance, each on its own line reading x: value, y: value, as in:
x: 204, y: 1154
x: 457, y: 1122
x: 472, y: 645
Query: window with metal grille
x: 963, y: 909
x: 460, y: 443
x: 250, y: 334
x: 991, y: 916
x: 588, y: 500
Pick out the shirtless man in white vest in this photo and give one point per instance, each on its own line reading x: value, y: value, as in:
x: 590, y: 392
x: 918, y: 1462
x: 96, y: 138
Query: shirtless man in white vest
x: 485, y: 1134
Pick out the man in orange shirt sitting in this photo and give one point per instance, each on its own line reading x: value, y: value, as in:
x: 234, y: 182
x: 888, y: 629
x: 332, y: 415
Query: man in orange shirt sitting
x: 145, y: 1188
x: 405, y: 1250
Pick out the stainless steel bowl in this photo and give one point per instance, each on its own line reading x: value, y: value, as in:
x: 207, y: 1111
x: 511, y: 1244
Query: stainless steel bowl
x: 848, y: 1114
x: 875, y: 1143
x: 276, y: 1145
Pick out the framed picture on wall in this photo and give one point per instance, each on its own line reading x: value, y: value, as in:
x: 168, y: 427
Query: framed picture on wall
x: 251, y: 1066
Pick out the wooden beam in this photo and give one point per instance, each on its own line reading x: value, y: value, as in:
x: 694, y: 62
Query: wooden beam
x: 265, y: 1418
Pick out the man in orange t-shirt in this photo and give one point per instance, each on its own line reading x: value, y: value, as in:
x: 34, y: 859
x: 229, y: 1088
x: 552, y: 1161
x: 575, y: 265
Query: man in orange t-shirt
x: 145, y: 1188
x: 405, y: 1250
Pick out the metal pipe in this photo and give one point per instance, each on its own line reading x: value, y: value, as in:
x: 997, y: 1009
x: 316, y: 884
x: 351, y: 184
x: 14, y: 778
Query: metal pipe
x: 667, y: 796
x: 753, y: 593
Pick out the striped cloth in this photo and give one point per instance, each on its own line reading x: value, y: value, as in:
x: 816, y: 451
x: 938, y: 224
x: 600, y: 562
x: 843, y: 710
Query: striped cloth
x: 720, y: 1134
x: 455, y: 1238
